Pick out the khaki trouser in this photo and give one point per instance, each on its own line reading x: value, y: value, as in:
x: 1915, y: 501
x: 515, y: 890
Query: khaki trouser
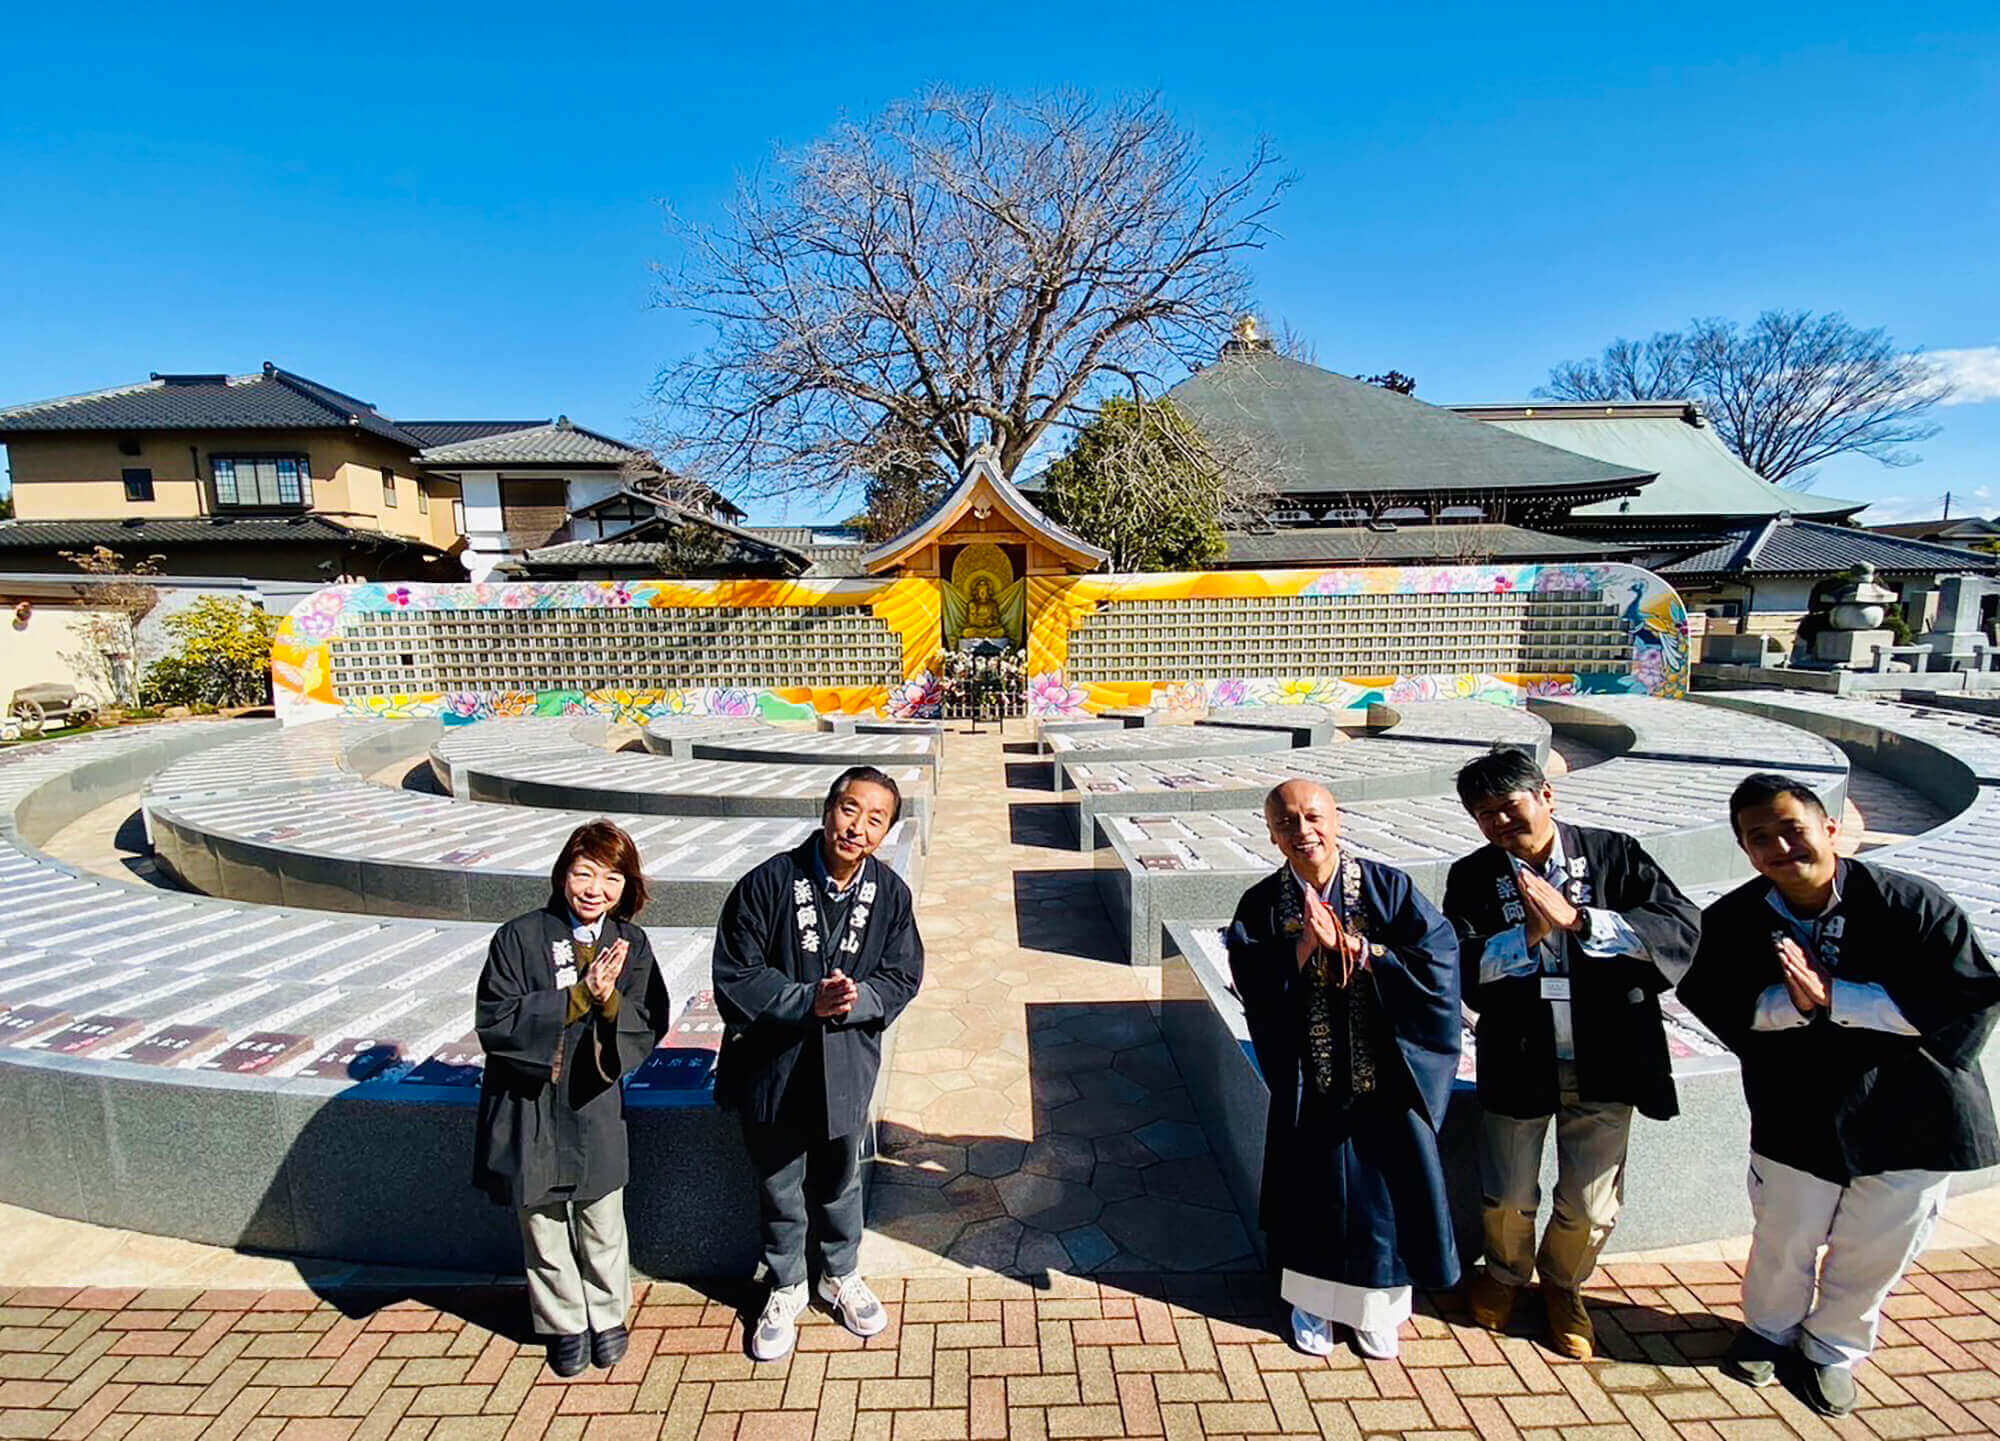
x: 1591, y: 1139
x: 579, y: 1265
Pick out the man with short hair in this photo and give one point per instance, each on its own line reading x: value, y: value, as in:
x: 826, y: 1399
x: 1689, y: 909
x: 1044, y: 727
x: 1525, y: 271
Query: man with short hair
x: 816, y: 953
x: 1570, y: 934
x: 1349, y: 984
x: 1858, y: 1000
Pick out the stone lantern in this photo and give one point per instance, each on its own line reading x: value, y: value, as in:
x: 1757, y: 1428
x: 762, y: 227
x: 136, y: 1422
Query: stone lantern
x: 1854, y: 621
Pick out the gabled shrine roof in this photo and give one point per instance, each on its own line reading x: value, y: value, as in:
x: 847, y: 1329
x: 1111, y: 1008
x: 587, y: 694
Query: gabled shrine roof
x: 983, y: 482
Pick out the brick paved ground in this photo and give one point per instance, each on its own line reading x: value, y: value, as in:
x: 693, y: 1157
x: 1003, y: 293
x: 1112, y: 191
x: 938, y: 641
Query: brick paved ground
x: 979, y: 1356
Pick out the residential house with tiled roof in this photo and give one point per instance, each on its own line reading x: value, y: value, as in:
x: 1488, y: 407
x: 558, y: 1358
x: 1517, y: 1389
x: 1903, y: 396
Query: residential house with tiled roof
x: 272, y: 475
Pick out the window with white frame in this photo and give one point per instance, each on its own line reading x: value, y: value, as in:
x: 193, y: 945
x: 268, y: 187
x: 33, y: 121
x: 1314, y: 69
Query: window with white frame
x: 260, y: 480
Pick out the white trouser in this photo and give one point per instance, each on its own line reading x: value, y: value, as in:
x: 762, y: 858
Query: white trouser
x: 1872, y: 1229
x: 1360, y: 1308
x: 579, y: 1267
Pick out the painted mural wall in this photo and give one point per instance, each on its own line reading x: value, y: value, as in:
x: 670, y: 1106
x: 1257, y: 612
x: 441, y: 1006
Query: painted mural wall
x: 788, y: 649
x: 483, y: 636
x: 1642, y: 610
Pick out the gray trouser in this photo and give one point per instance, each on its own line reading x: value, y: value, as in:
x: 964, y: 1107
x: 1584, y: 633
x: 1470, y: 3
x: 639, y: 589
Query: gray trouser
x: 1591, y: 1139
x: 800, y: 1179
x: 579, y: 1266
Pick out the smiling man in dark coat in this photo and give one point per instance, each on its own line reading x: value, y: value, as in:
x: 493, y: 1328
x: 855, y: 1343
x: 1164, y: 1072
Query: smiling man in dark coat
x: 1349, y: 983
x: 1570, y: 936
x: 816, y: 953
x: 1859, y: 1001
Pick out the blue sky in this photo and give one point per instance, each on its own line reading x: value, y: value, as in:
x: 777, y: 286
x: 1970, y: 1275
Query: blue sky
x: 451, y: 210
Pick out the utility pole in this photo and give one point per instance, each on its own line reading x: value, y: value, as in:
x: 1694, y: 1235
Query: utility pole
x: 1947, y: 506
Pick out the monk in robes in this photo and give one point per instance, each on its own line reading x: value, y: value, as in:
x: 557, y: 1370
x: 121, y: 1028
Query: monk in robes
x: 1349, y: 982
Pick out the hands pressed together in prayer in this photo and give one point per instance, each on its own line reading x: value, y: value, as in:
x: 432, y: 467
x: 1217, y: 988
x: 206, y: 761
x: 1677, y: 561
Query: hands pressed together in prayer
x: 1548, y: 908
x: 1810, y: 985
x: 1324, y: 932
x: 834, y: 997
x: 602, y: 977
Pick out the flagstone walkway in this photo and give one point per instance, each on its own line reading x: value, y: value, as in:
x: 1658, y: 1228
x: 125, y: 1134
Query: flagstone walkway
x: 1034, y: 1119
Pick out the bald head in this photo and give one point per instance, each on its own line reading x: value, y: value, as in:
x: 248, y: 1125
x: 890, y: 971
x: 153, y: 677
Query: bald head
x: 1304, y: 823
x: 1294, y: 793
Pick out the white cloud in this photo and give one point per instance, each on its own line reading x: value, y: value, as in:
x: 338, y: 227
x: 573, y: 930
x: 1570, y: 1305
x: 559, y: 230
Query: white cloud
x: 1974, y: 373
x: 1888, y: 509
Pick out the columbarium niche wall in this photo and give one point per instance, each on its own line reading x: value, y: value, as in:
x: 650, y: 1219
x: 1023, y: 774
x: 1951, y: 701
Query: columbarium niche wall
x: 1352, y: 637
x: 631, y: 650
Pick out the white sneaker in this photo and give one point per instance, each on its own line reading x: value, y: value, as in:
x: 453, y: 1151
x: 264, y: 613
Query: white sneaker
x: 1312, y: 1334
x: 857, y: 1307
x: 778, y: 1328
x: 1383, y: 1345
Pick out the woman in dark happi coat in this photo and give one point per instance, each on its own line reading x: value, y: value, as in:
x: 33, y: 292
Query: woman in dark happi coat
x: 1349, y: 982
x: 569, y: 1002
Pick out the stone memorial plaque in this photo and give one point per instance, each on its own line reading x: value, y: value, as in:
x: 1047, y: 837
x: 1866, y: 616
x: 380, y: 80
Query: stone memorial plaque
x: 672, y: 1067
x: 700, y: 1023
x: 170, y: 1045
x: 24, y: 1023
x: 259, y: 1052
x: 92, y: 1032
x: 685, y: 1058
x: 356, y: 1058
x: 459, y: 1063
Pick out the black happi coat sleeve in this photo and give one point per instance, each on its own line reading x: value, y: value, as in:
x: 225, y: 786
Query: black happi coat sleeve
x: 1733, y: 963
x: 1955, y: 1001
x: 1650, y: 903
x: 755, y: 968
x: 517, y: 1010
x: 644, y: 1009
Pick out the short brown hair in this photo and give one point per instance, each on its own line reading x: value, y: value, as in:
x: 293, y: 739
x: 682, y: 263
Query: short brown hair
x: 605, y: 843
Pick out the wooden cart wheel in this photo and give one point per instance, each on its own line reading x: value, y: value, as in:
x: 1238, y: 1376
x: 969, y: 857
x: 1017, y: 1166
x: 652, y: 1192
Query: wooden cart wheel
x: 30, y: 714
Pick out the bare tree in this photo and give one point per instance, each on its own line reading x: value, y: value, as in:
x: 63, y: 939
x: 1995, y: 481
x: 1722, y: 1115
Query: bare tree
x: 905, y: 480
x: 1793, y: 390
x: 1292, y: 343
x: 974, y: 268
x: 1661, y: 368
x: 118, y: 606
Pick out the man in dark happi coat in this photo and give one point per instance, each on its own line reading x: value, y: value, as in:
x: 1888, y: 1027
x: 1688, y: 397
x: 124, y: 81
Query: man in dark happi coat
x: 816, y: 953
x: 1349, y: 983
x: 1570, y: 935
x: 1858, y: 1000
